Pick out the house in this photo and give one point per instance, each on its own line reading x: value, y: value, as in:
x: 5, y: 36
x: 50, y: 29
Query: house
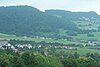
x: 24, y: 46
x: 4, y: 43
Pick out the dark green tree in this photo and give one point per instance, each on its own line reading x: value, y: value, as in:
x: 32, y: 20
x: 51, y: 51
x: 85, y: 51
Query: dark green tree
x: 69, y: 62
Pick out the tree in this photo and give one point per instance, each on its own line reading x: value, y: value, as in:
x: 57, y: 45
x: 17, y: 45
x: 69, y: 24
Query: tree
x: 54, y: 62
x: 89, y: 62
x: 69, y: 62
x: 76, y: 55
x: 4, y: 62
x: 90, y: 35
x: 17, y: 62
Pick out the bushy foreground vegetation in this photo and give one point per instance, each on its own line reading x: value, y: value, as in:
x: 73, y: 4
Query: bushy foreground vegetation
x: 26, y: 59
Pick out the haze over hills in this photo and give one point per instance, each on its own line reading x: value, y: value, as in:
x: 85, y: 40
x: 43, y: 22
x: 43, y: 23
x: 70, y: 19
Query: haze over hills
x: 27, y: 20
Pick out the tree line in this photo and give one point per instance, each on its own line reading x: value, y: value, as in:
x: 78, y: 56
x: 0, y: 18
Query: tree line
x: 27, y: 59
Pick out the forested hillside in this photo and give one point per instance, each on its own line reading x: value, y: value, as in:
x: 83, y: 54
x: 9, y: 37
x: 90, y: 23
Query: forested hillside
x: 72, y: 15
x: 27, y: 20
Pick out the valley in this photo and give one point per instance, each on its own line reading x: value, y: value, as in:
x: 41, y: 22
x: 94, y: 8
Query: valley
x: 78, y: 30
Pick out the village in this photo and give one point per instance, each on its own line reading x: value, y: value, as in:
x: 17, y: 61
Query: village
x: 4, y: 44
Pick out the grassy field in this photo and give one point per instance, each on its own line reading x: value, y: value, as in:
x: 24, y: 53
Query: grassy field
x: 9, y: 37
x: 81, y: 51
x: 81, y: 36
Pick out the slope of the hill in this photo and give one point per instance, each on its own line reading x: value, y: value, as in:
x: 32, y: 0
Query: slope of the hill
x: 73, y: 15
x: 27, y: 20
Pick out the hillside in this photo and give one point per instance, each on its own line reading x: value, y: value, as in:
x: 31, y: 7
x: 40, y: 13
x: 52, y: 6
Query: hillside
x: 72, y: 15
x: 27, y: 20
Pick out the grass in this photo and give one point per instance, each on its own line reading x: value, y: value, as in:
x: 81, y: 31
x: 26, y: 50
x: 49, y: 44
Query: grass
x: 81, y: 36
x: 84, y: 36
x: 84, y: 51
x: 9, y: 37
x: 80, y: 51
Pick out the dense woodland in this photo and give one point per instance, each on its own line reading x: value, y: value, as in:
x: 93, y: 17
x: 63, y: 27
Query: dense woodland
x: 26, y: 59
x: 27, y: 20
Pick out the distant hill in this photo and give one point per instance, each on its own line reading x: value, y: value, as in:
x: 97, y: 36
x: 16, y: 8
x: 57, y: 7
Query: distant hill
x: 72, y: 15
x: 27, y: 20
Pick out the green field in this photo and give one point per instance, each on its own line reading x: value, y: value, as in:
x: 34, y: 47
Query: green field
x: 9, y: 37
x: 84, y: 36
x: 81, y: 51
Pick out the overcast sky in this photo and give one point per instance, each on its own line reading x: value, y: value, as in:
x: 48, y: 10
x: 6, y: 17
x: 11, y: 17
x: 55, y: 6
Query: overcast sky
x: 70, y: 5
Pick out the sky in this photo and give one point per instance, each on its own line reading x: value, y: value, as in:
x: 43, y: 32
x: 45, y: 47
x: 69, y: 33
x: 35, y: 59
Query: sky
x: 70, y: 5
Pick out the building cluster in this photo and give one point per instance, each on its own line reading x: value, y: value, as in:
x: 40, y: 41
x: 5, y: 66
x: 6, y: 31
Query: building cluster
x: 5, y: 44
x: 42, y: 46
